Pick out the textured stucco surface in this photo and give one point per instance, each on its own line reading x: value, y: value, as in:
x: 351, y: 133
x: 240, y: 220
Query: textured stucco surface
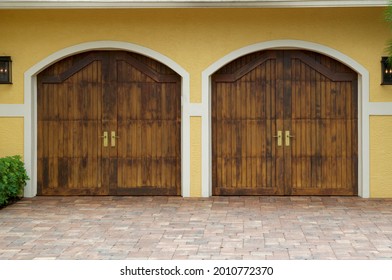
x: 11, y: 136
x: 195, y: 39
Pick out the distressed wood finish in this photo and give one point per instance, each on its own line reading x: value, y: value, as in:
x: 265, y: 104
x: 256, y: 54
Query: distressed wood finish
x: 81, y: 97
x: 323, y: 117
x: 148, y: 156
x: 246, y: 112
x: 308, y: 94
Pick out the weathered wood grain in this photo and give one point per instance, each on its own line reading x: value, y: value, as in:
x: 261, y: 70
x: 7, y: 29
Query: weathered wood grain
x: 84, y: 95
x: 312, y: 96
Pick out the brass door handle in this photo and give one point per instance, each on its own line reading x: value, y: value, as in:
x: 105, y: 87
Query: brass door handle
x: 287, y: 137
x: 279, y: 136
x: 105, y: 138
x: 113, y: 139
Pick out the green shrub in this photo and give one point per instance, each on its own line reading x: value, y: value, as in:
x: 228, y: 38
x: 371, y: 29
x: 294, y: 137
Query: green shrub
x: 13, y: 178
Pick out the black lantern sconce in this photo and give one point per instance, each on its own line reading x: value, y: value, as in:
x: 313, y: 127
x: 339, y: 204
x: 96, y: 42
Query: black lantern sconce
x: 5, y: 70
x: 386, y: 71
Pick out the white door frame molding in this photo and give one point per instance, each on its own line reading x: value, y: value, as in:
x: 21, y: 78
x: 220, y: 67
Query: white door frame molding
x: 30, y: 106
x: 364, y: 108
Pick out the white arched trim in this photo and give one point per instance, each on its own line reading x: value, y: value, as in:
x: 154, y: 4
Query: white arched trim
x: 363, y: 106
x: 29, y: 112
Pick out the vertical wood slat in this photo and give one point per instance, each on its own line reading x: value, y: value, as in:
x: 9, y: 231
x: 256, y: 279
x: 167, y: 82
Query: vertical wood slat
x: 319, y: 159
x: 327, y: 127
x: 239, y: 125
x: 71, y: 116
x: 153, y: 144
x: 64, y: 146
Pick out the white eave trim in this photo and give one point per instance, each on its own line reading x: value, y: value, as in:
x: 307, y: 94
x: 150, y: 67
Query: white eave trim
x: 67, y: 4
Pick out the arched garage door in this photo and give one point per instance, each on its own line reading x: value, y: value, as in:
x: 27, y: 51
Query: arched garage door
x: 109, y: 124
x: 284, y: 122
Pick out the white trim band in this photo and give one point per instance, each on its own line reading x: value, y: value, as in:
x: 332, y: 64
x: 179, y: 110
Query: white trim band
x: 104, y: 4
x: 28, y: 109
x: 12, y: 110
x: 30, y: 112
x: 363, y: 107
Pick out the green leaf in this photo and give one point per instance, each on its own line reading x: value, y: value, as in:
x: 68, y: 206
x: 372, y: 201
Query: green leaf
x: 13, y: 177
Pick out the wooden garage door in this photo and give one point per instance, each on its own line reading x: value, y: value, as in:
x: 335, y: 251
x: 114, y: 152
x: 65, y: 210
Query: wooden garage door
x: 284, y: 123
x: 109, y: 123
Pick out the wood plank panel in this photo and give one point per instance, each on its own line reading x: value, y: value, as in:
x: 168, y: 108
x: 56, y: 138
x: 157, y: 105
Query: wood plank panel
x: 150, y: 123
x: 320, y: 125
x: 84, y: 95
x: 68, y: 132
x: 243, y: 117
x: 312, y: 96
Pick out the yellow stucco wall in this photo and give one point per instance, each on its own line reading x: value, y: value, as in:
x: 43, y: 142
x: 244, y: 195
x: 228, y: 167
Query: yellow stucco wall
x: 194, y: 38
x: 381, y: 155
x: 196, y: 156
x: 11, y: 136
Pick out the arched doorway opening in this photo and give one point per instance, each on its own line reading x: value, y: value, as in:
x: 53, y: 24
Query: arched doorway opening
x: 362, y: 105
x: 284, y: 122
x: 109, y: 123
x: 30, y: 104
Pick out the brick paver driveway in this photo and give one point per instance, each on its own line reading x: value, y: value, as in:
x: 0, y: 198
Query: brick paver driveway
x: 196, y: 228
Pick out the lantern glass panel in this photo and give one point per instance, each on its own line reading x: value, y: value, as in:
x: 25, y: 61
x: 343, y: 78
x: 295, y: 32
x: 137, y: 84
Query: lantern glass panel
x: 386, y: 71
x: 5, y: 70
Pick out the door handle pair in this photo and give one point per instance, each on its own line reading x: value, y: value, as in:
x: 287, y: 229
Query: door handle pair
x: 113, y: 138
x: 287, y: 137
x: 279, y: 137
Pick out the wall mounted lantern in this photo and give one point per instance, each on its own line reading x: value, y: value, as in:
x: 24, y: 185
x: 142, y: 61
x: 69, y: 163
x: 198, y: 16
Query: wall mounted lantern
x: 386, y: 71
x: 5, y: 70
